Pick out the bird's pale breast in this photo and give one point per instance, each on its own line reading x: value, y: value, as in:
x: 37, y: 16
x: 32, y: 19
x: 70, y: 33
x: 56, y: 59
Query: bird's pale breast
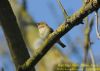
x: 44, y: 32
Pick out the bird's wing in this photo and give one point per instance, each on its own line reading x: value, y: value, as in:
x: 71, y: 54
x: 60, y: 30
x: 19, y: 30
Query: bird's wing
x: 51, y: 30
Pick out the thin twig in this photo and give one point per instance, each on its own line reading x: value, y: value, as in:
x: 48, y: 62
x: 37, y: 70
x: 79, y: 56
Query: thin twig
x: 97, y: 25
x: 63, y: 10
x: 93, y: 59
x: 87, y: 47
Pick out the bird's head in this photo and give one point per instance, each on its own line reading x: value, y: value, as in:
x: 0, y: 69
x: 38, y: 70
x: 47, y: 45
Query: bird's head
x: 41, y: 25
x: 43, y: 29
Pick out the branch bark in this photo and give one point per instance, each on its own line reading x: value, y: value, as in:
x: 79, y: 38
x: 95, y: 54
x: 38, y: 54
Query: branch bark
x: 13, y: 35
x: 71, y: 22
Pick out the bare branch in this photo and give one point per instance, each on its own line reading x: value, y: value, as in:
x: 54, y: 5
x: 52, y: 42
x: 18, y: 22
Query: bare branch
x: 13, y: 35
x: 71, y: 22
x: 97, y: 25
x: 63, y: 10
x: 87, y: 43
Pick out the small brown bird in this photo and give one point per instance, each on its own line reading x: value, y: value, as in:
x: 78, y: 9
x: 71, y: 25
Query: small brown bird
x: 45, y: 30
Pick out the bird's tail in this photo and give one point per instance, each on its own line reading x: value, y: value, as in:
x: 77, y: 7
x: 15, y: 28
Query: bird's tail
x: 61, y: 44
